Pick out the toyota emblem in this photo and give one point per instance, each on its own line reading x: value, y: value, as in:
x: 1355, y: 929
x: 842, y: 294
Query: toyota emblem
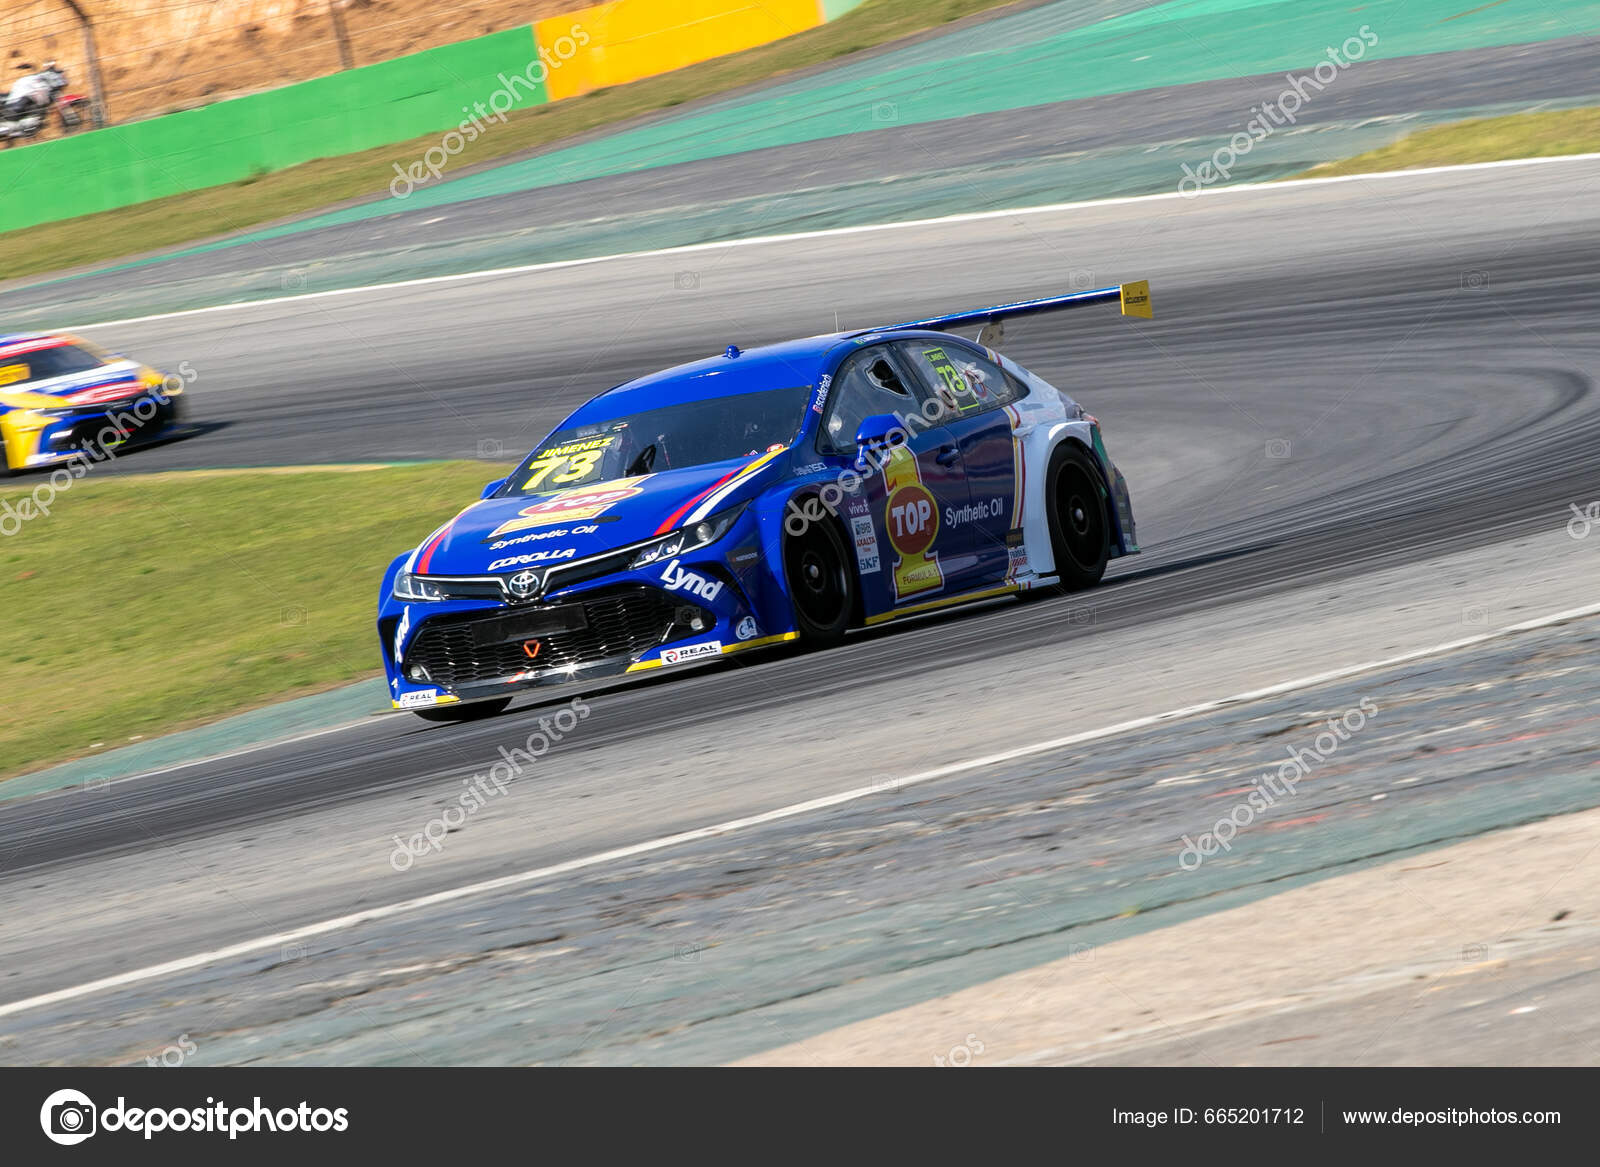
x: 524, y: 585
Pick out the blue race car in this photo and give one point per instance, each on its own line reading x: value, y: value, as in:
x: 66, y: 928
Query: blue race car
x: 64, y: 403
x: 784, y: 493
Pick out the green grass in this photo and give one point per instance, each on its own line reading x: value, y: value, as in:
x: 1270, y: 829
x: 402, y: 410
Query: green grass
x: 140, y: 605
x: 187, y: 218
x: 1523, y: 135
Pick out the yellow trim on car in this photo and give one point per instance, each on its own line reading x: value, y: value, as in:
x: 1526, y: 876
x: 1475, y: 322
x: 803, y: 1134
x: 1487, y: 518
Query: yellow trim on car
x: 641, y: 666
x: 742, y: 645
x: 963, y: 598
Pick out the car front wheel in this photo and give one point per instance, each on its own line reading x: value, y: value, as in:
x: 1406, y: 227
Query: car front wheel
x: 822, y: 587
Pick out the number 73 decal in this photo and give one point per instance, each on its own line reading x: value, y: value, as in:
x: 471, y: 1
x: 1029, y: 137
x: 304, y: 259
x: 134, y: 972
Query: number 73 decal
x: 964, y: 390
x: 564, y: 465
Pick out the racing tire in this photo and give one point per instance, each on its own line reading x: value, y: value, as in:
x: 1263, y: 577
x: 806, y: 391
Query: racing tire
x: 822, y: 586
x: 476, y: 711
x: 1080, y: 532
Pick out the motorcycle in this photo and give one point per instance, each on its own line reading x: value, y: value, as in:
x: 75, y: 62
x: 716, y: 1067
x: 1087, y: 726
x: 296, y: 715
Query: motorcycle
x: 23, y: 119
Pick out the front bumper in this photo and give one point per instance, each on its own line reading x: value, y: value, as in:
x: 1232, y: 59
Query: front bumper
x: 612, y: 627
x: 439, y: 653
x: 91, y: 432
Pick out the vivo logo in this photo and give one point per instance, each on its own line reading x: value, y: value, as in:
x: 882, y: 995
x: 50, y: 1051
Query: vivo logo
x: 679, y: 580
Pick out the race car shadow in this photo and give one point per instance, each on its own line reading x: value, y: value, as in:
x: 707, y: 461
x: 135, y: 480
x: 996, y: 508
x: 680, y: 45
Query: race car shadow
x: 131, y: 459
x: 182, y: 433
x: 1156, y: 570
x: 533, y: 701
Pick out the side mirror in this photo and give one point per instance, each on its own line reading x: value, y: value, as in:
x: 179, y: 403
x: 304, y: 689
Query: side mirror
x: 492, y: 487
x: 876, y: 436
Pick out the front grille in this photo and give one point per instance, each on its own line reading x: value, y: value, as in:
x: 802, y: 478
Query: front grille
x: 486, y: 588
x: 608, y: 625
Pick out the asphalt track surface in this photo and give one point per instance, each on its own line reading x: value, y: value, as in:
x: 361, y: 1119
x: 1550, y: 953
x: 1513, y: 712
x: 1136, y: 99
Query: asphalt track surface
x: 1341, y: 379
x: 755, y: 188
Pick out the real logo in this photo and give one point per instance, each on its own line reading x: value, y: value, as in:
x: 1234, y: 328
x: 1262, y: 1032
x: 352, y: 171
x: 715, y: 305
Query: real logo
x: 673, y: 656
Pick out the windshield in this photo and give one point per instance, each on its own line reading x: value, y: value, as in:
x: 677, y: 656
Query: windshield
x: 44, y: 363
x: 670, y: 438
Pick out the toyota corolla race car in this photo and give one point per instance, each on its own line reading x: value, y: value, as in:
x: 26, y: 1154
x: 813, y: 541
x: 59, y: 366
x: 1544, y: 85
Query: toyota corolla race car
x: 785, y: 493
x: 63, y: 399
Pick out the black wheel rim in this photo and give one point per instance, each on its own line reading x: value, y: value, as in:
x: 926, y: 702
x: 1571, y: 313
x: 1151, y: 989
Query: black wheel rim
x: 816, y: 578
x: 1082, y: 518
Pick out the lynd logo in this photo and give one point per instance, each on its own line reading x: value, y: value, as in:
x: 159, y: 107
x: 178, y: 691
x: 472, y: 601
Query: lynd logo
x: 679, y: 580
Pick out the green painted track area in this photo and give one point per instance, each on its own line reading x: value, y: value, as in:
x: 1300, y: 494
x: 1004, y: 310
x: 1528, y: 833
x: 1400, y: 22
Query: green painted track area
x: 1060, y: 52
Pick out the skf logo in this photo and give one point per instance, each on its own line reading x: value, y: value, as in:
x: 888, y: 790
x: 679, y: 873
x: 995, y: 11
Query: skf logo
x: 912, y: 519
x: 679, y: 580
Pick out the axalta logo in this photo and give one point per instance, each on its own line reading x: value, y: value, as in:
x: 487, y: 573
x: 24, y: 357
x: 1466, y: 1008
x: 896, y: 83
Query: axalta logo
x: 677, y: 579
x: 533, y: 557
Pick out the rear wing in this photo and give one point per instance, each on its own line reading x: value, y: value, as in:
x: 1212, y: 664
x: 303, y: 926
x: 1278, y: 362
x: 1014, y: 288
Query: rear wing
x: 1134, y: 299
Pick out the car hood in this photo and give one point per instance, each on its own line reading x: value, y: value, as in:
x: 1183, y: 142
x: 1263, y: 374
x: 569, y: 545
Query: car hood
x: 116, y: 373
x: 505, y: 534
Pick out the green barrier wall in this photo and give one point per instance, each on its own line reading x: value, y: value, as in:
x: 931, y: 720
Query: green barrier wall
x: 393, y: 101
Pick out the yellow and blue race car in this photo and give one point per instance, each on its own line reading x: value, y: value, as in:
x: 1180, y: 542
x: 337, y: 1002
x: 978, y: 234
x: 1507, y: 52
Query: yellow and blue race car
x: 61, y: 399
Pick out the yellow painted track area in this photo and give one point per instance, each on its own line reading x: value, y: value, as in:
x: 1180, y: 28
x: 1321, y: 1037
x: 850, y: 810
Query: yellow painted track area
x: 625, y: 40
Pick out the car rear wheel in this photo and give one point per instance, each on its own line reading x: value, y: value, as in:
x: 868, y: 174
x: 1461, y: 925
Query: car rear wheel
x: 822, y: 587
x: 1080, y: 534
x: 476, y: 711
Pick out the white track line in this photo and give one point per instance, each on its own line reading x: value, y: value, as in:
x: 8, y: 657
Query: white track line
x: 538, y: 874
x: 832, y: 232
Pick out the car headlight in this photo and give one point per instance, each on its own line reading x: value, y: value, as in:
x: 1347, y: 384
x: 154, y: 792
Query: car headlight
x: 686, y: 539
x: 160, y: 382
x: 415, y: 587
